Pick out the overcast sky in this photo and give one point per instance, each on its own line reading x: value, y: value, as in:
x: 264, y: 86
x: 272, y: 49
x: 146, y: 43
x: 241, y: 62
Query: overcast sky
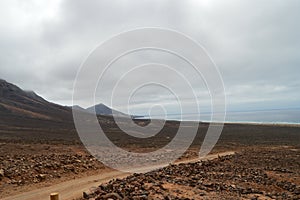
x: 254, y: 43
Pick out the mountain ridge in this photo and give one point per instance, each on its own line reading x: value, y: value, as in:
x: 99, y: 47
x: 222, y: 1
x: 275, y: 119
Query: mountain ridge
x: 102, y: 109
x: 15, y: 101
x: 26, y: 116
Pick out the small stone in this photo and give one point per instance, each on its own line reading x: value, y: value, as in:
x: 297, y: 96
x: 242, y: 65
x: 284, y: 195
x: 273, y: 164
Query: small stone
x: 297, y: 190
x: 112, y: 196
x: 201, y: 194
x: 42, y: 176
x: 1, y: 172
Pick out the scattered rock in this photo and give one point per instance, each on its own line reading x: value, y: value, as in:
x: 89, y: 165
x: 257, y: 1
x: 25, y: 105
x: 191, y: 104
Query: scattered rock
x: 244, y: 175
x: 26, y: 169
x: 1, y: 172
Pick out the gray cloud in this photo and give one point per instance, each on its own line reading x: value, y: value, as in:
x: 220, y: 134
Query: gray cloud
x: 255, y: 44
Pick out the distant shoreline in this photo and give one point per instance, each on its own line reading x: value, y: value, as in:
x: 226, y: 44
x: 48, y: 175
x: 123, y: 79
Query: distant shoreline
x: 290, y: 124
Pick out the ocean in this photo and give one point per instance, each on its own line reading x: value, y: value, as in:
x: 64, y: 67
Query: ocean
x: 275, y: 116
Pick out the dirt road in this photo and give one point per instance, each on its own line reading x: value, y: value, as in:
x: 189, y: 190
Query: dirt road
x: 73, y: 189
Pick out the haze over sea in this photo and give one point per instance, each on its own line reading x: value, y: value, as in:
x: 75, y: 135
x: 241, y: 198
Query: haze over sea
x: 274, y: 116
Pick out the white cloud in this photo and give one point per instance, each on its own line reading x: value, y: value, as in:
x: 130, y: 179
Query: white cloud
x: 254, y: 43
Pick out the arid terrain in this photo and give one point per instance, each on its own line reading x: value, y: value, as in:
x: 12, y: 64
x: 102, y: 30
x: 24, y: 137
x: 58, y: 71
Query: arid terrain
x: 252, y: 173
x: 266, y: 165
x: 149, y: 100
x: 41, y: 151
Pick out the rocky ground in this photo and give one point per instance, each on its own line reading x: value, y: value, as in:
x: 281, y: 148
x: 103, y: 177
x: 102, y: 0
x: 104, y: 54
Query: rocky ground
x: 253, y: 173
x: 23, y: 165
x: 27, y: 166
x: 35, y: 158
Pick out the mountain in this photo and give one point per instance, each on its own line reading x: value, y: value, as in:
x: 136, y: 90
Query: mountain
x: 101, y: 109
x: 17, y: 102
x: 78, y: 108
x: 27, y: 104
x: 26, y: 116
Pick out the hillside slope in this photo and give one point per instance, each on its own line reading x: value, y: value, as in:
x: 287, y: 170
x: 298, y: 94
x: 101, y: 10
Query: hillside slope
x: 25, y: 115
x: 101, y: 109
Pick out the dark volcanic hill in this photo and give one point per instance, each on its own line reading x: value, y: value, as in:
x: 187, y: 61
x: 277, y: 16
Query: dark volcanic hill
x: 17, y: 102
x: 25, y: 115
x: 101, y: 109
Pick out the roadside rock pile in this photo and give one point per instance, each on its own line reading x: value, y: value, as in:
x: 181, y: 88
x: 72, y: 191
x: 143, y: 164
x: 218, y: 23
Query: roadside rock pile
x: 24, y: 169
x: 251, y: 174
